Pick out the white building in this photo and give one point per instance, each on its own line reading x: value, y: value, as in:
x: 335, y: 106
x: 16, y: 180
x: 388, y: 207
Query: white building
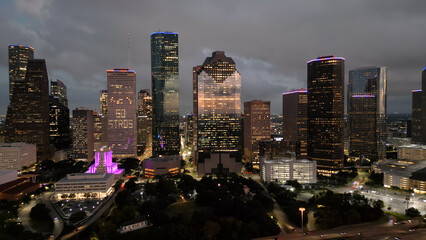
x: 8, y: 176
x: 281, y: 170
x: 398, y: 173
x: 133, y: 225
x: 99, y: 185
x: 412, y: 152
x: 15, y: 156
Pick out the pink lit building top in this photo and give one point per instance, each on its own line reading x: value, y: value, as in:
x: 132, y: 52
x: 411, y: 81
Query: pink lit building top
x: 103, y: 162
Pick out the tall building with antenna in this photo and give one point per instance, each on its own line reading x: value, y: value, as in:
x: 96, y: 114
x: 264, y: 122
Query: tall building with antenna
x: 165, y: 93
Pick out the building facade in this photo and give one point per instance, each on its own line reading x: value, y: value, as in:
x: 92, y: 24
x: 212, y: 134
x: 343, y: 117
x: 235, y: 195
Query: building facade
x: 416, y: 116
x: 257, y: 127
x: 121, y: 113
x: 99, y: 185
x: 27, y: 117
x: 165, y: 93
x: 19, y: 56
x: 144, y: 120
x: 217, y: 107
x: 412, y: 152
x: 82, y: 134
x: 161, y: 166
x: 326, y: 113
x: 103, y: 102
x: 295, y: 119
x: 60, y: 134
x: 59, y: 89
x: 15, y: 156
x: 282, y: 170
x: 367, y: 93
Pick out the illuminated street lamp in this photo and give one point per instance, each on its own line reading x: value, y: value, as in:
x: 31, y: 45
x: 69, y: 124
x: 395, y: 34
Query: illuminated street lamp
x: 301, y: 214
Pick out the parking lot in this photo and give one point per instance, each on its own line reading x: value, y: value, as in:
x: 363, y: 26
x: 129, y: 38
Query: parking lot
x: 68, y: 207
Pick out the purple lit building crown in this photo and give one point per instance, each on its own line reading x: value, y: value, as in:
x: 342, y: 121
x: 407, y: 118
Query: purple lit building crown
x: 103, y: 162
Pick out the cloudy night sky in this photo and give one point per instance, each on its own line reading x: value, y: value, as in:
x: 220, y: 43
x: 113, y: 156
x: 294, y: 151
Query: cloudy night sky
x: 270, y: 41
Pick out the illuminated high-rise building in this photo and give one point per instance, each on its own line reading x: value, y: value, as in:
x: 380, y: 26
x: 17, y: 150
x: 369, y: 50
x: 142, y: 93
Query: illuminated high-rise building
x: 60, y: 135
x: 59, y: 90
x: 257, y: 127
x: 121, y: 113
x: 28, y: 113
x: 295, y: 120
x: 144, y: 120
x: 416, y: 116
x: 99, y: 139
x: 217, y: 113
x: 103, y: 101
x: 367, y: 113
x: 82, y: 134
x: 165, y: 93
x: 325, y: 113
x: 18, y: 60
x: 424, y: 106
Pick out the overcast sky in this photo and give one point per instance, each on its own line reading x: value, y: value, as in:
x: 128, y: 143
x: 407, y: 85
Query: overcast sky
x: 270, y: 41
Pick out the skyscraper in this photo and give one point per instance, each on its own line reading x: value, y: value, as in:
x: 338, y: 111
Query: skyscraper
x: 257, y: 127
x: 82, y: 134
x: 28, y: 114
x: 416, y: 116
x: 295, y: 120
x: 59, y: 124
x: 18, y: 60
x: 144, y: 120
x: 424, y: 106
x: 217, y: 111
x: 325, y: 113
x: 121, y: 113
x: 367, y: 113
x: 103, y: 102
x: 165, y: 93
x: 59, y: 90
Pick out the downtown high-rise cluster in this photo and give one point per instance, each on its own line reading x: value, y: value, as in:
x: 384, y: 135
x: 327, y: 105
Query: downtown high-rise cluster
x: 219, y: 133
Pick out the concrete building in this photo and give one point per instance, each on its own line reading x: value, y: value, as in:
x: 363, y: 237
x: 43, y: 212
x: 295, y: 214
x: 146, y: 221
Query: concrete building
x: 8, y: 176
x: 82, y: 127
x: 104, y: 163
x: 133, y: 225
x: 412, y: 152
x: 121, y: 112
x: 398, y: 173
x: 144, y: 129
x: 15, y: 156
x: 17, y: 189
x: 99, y: 185
x: 418, y: 181
x: 161, y: 166
x: 282, y: 170
x: 257, y: 127
x: 219, y: 162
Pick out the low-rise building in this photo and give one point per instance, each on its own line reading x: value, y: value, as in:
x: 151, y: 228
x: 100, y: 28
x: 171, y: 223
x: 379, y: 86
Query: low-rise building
x: 398, y: 173
x: 133, y: 225
x: 15, y: 156
x: 418, y: 181
x: 8, y: 176
x: 282, y: 170
x: 412, y: 152
x: 17, y: 189
x: 104, y: 163
x: 161, y: 165
x: 99, y: 185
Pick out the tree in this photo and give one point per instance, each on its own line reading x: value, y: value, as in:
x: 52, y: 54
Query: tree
x: 295, y: 184
x: 77, y: 216
x: 131, y: 185
x: 412, y: 212
x: 72, y: 195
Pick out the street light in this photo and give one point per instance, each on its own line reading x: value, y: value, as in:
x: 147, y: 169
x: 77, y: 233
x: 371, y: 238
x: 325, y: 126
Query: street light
x: 301, y: 214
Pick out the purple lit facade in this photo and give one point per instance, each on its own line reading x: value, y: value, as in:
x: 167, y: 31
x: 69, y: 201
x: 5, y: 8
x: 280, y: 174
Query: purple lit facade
x: 103, y: 163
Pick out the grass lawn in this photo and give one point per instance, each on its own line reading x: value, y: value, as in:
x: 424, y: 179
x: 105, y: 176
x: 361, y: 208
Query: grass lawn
x: 399, y: 217
x: 42, y: 226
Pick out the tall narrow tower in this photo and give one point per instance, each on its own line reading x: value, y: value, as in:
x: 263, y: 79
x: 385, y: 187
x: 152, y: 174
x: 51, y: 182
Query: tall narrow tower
x: 325, y: 113
x: 165, y: 93
x: 367, y: 113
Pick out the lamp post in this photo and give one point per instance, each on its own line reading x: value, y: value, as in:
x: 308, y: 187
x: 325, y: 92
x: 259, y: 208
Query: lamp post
x: 301, y: 214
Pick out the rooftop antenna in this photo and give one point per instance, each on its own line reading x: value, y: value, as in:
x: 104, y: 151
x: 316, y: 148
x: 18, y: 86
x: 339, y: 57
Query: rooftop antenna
x: 128, y: 47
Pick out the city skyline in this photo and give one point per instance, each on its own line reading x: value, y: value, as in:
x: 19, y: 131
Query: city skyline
x: 277, y: 63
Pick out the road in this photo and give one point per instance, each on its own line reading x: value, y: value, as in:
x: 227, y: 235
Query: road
x: 370, y: 231
x: 93, y: 218
x: 24, y: 215
x: 57, y: 220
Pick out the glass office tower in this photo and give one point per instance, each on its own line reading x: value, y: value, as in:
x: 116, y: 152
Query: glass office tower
x: 367, y: 113
x: 18, y: 60
x: 165, y: 93
x: 326, y: 113
x: 217, y: 104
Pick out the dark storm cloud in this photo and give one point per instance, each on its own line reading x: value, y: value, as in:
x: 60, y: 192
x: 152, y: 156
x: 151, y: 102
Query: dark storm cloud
x: 269, y: 40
